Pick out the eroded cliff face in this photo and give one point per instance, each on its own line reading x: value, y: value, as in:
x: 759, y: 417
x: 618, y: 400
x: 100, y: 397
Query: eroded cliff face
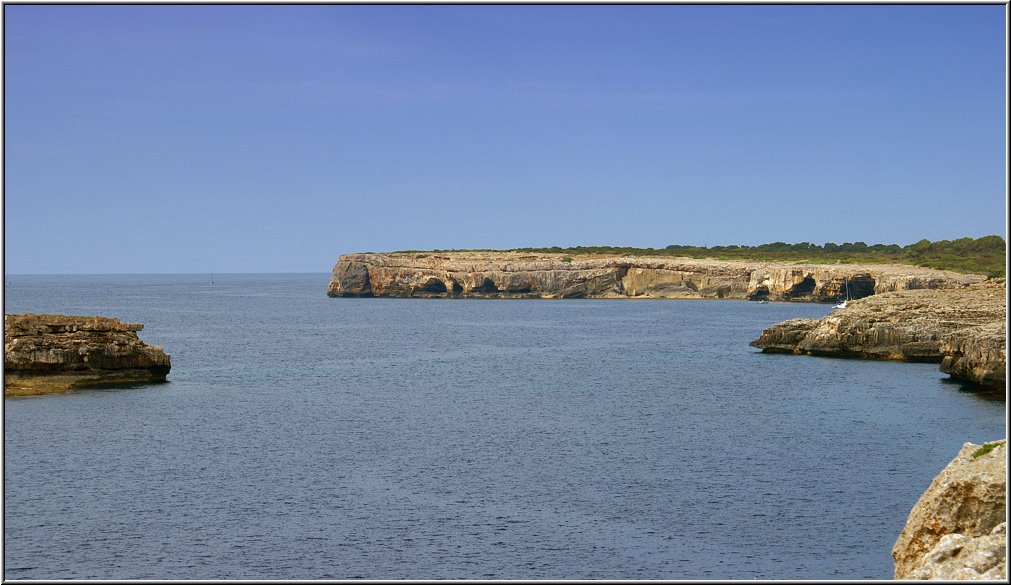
x: 957, y: 529
x: 522, y: 275
x: 46, y: 354
x: 963, y: 329
x: 977, y: 354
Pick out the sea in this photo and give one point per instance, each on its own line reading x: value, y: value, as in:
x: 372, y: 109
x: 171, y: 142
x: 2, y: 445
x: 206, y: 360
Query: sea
x: 307, y: 437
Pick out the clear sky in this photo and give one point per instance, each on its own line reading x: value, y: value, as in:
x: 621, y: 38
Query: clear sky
x: 275, y: 138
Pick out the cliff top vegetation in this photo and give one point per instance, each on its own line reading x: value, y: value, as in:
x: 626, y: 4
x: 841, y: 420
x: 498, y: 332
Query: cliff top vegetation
x: 986, y: 255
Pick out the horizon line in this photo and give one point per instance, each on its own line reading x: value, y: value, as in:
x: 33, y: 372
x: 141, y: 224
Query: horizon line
x: 7, y: 274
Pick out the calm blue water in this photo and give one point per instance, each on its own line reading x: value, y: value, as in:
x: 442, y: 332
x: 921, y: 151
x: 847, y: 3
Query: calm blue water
x: 304, y: 437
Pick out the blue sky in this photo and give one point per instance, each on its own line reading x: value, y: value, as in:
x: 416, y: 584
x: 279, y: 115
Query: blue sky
x: 275, y: 138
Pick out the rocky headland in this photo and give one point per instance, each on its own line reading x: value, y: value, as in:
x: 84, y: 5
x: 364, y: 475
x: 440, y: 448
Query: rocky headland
x: 45, y: 354
x: 548, y: 276
x: 958, y: 529
x: 962, y: 329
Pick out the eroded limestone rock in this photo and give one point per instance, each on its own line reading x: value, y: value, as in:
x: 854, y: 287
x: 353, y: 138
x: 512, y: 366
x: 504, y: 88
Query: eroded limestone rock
x: 46, y: 354
x: 957, y: 529
x: 963, y: 329
x: 519, y: 275
x: 977, y: 354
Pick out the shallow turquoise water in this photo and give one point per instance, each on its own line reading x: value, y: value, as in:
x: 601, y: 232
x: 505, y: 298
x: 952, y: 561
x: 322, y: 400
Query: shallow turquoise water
x: 307, y: 437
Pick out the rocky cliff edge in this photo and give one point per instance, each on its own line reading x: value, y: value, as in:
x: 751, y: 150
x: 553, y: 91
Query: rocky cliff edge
x: 963, y: 329
x: 958, y: 528
x: 530, y: 275
x: 46, y: 354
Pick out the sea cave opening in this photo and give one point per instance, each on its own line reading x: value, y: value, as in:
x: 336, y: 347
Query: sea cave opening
x: 861, y: 285
x: 761, y: 294
x: 488, y: 286
x: 802, y: 288
x: 433, y: 286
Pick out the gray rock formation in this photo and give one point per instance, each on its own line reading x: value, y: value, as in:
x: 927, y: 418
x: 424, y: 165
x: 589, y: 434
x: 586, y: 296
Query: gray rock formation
x: 525, y: 275
x: 977, y: 354
x: 46, y: 354
x: 962, y: 329
x: 958, y: 529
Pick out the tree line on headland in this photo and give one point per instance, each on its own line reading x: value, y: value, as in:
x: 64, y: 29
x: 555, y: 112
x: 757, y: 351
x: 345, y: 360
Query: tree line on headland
x: 984, y: 255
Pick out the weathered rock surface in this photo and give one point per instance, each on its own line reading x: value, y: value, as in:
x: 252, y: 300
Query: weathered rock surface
x: 526, y: 275
x: 977, y: 354
x: 958, y: 529
x: 46, y: 354
x: 963, y: 329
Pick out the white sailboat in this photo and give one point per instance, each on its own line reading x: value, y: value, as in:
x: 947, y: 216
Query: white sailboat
x: 842, y: 305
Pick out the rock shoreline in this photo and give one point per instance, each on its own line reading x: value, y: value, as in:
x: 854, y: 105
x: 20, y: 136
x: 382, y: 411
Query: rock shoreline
x: 958, y: 529
x: 47, y: 354
x: 963, y: 330
x: 550, y: 276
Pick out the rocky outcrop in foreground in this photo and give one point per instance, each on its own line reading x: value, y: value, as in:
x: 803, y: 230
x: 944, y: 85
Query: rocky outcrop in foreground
x: 962, y: 329
x: 530, y: 275
x: 46, y: 354
x: 957, y: 529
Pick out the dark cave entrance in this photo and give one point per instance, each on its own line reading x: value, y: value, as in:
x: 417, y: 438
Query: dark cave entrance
x: 488, y: 286
x: 861, y: 285
x: 802, y: 288
x: 433, y: 286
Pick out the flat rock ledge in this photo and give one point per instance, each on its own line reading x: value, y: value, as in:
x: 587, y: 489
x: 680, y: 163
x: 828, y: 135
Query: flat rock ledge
x: 552, y: 276
x: 963, y: 329
x: 47, y: 354
x: 957, y: 529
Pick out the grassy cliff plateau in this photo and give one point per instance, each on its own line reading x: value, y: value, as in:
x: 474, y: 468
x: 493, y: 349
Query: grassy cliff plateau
x: 986, y: 255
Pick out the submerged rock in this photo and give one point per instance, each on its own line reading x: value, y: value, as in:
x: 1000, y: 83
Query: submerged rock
x: 962, y: 329
x: 46, y: 354
x: 958, y: 529
x: 542, y: 275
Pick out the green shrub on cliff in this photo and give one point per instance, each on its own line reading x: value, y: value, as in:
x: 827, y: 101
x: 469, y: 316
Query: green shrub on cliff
x: 986, y: 449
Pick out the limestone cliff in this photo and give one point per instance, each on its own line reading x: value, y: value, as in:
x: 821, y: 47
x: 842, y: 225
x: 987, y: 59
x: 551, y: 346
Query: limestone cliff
x: 529, y: 275
x: 963, y: 329
x: 977, y: 354
x: 54, y: 353
x: 958, y: 529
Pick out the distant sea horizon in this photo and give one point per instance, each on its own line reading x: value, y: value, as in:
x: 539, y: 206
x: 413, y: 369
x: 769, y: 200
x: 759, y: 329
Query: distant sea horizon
x: 158, y: 273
